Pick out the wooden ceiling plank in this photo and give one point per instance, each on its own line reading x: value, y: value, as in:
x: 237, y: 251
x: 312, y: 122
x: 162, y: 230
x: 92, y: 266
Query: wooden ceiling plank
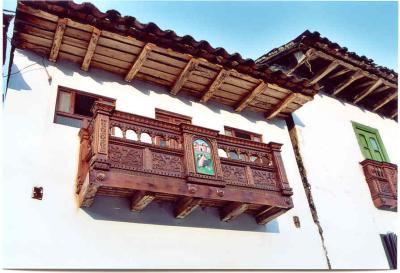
x: 185, y: 206
x: 37, y: 13
x: 385, y: 101
x: 339, y: 73
x: 367, y: 91
x: 58, y: 36
x: 232, y: 211
x: 139, y: 62
x: 90, y: 49
x: 219, y: 80
x: 185, y: 74
x: 140, y: 200
x: 357, y: 75
x: 307, y: 56
x: 324, y: 72
x: 250, y: 96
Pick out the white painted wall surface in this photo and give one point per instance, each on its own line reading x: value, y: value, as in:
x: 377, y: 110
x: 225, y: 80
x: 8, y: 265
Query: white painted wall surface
x: 55, y: 233
x: 331, y: 156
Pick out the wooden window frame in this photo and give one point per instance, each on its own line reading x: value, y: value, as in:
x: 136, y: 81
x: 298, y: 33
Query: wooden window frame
x: 171, y: 117
x: 235, y: 130
x: 358, y: 126
x: 73, y: 93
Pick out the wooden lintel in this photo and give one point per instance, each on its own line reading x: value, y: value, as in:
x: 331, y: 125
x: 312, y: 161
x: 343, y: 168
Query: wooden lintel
x: 285, y: 102
x: 90, y: 49
x: 367, y: 91
x: 339, y: 73
x: 139, y: 62
x: 385, y: 101
x: 269, y: 215
x: 140, y: 200
x: 185, y: 74
x: 250, y: 96
x: 185, y: 206
x: 219, y: 80
x: 307, y: 56
x: 232, y: 211
x: 324, y: 72
x: 357, y: 75
x: 58, y: 35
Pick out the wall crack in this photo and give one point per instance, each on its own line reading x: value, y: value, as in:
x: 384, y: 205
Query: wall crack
x: 306, y: 185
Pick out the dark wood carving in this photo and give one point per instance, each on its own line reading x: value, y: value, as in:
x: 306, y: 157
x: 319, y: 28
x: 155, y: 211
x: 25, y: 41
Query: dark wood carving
x: 382, y: 181
x: 115, y: 164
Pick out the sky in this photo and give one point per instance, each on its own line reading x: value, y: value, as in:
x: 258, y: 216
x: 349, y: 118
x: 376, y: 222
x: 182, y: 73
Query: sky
x: 254, y: 28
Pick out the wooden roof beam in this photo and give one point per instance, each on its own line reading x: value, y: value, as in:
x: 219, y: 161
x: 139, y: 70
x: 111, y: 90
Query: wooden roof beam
x: 185, y: 74
x: 185, y: 206
x: 357, y: 75
x: 367, y: 91
x: 385, y: 101
x: 307, y: 56
x: 232, y: 211
x: 58, y: 35
x: 394, y: 114
x: 137, y: 64
x: 269, y: 215
x: 339, y: 73
x: 324, y: 72
x: 219, y: 80
x: 250, y: 96
x: 140, y: 200
x: 285, y: 102
x: 90, y: 50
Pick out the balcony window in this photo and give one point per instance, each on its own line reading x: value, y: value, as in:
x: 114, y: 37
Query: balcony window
x: 73, y: 106
x: 230, y: 131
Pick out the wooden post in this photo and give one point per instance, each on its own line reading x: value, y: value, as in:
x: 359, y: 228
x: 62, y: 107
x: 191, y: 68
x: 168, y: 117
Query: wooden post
x: 278, y: 162
x: 58, y: 35
x: 101, y: 119
x: 90, y: 50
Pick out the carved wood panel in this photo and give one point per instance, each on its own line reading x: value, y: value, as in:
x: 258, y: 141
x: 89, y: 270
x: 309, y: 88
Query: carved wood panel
x: 167, y: 163
x: 125, y: 157
x: 234, y: 174
x: 264, y: 178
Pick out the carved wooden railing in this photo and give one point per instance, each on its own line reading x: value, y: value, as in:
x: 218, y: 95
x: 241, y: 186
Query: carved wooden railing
x: 144, y: 159
x: 382, y: 181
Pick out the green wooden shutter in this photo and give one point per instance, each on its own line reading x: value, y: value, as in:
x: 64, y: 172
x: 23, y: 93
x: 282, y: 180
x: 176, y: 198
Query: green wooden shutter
x: 370, y: 143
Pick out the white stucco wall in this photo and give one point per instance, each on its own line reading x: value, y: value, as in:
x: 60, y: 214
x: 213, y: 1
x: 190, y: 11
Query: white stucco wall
x: 331, y: 156
x: 55, y: 233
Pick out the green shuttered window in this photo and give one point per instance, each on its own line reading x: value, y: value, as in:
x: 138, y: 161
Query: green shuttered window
x: 370, y: 142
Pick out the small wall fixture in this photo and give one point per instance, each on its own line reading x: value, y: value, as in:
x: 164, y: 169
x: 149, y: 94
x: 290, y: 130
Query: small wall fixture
x: 37, y: 193
x: 296, y: 221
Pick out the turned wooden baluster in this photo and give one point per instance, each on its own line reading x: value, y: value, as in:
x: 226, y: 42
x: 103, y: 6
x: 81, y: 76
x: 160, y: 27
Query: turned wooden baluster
x: 278, y: 162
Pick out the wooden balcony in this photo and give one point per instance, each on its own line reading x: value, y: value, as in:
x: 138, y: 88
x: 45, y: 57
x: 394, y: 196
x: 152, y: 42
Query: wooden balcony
x: 149, y: 160
x: 382, y: 181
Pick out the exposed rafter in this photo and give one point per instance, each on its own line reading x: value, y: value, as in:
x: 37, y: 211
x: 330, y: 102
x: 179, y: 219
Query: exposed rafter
x: 324, y: 72
x: 307, y: 56
x: 269, y: 215
x: 185, y: 74
x: 339, y: 73
x: 90, y: 50
x: 185, y: 206
x: 250, y: 96
x: 137, y: 64
x: 367, y: 91
x: 357, y: 75
x: 219, y: 80
x: 284, y: 103
x: 385, y: 101
x: 232, y: 211
x: 382, y: 88
x: 58, y: 35
x: 140, y: 200
x: 394, y: 114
